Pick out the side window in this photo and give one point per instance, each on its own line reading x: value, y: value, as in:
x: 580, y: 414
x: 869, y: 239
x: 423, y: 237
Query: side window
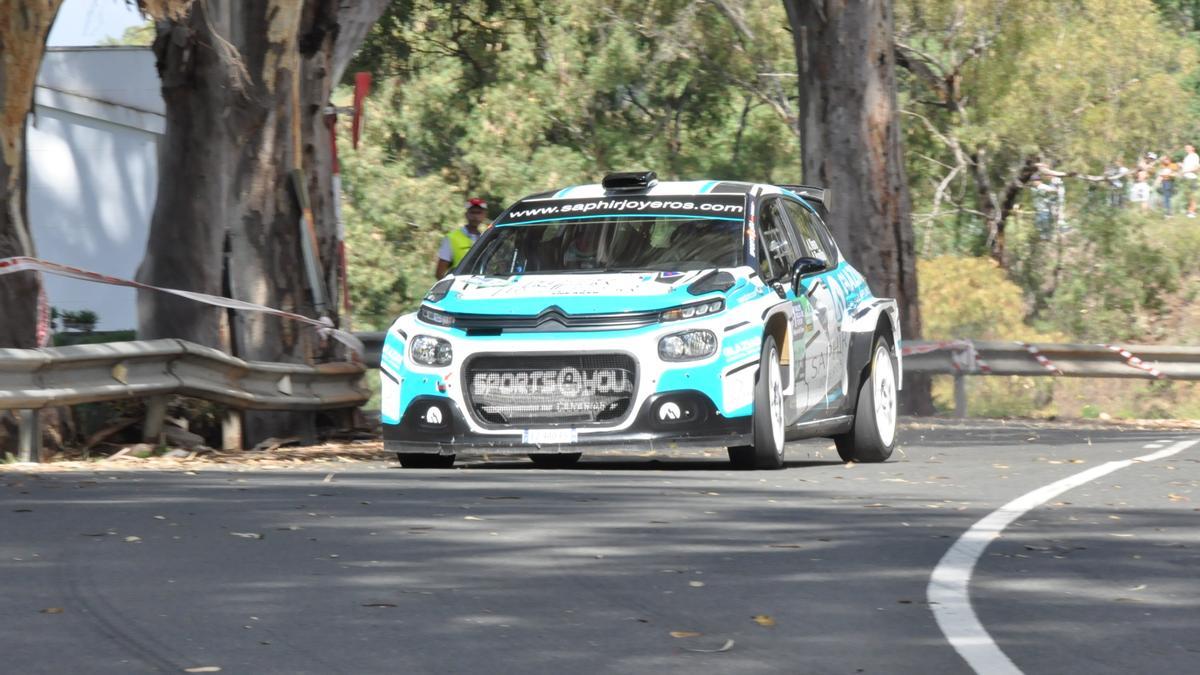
x: 776, y: 253
x: 826, y: 237
x: 808, y: 232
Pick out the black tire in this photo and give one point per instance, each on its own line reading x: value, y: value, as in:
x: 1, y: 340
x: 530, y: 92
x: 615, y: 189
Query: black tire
x: 768, y: 449
x: 422, y: 460
x: 873, y: 436
x: 555, y: 460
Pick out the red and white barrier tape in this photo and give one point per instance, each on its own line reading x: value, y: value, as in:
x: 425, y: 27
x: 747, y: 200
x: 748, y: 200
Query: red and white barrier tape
x: 1133, y: 361
x: 323, y: 325
x: 1041, y: 359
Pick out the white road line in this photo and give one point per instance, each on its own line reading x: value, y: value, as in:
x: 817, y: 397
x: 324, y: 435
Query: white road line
x: 948, y: 592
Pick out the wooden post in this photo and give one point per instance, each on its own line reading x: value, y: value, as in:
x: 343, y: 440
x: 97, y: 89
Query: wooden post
x: 29, y: 436
x: 156, y: 414
x: 231, y: 430
x: 960, y: 395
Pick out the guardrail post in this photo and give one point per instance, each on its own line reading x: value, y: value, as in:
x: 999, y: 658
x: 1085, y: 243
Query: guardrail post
x: 156, y: 414
x: 29, y: 436
x: 960, y: 395
x: 231, y: 429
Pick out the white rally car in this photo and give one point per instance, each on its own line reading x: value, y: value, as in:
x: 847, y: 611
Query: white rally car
x: 638, y: 315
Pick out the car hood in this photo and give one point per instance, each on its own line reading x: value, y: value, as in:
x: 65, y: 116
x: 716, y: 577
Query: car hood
x: 604, y: 293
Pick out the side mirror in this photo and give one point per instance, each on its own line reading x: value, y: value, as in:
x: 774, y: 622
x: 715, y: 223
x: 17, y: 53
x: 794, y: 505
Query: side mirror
x: 806, y: 267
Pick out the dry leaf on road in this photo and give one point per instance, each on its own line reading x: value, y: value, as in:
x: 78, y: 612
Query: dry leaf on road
x: 763, y: 620
x: 685, y: 634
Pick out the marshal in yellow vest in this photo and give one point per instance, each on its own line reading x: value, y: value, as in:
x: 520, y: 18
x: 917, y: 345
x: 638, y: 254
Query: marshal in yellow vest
x: 460, y: 243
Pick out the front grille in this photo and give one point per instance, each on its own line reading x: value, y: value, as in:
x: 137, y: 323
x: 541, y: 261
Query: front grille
x: 549, y: 389
x: 553, y: 319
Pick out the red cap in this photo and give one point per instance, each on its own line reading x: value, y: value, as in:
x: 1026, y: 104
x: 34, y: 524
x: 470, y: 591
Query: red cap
x: 476, y: 203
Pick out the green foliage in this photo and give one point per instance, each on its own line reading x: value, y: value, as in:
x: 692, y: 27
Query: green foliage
x: 1120, y: 294
x: 972, y: 298
x: 84, y: 320
x: 141, y: 35
x: 504, y: 99
x: 1072, y: 84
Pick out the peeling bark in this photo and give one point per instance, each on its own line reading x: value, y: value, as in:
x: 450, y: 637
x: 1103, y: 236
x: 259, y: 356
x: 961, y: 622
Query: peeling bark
x: 24, y: 25
x: 850, y: 142
x: 246, y: 85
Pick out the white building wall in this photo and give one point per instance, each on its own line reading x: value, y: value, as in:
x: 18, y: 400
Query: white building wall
x: 92, y: 157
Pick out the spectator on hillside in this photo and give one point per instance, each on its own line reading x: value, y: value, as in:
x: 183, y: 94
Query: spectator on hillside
x: 1189, y: 172
x: 1165, y: 180
x: 1139, y: 191
x: 1116, y: 175
x: 1147, y: 163
x: 1060, y: 203
x: 1045, y: 206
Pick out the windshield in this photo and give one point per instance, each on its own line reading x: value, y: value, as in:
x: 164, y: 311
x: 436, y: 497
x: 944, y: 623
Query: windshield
x: 668, y: 234
x: 614, y: 243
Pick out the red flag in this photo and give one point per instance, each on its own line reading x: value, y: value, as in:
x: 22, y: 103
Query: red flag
x: 362, y: 84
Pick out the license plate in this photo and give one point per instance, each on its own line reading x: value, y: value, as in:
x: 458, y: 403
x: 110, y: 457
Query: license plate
x: 549, y: 436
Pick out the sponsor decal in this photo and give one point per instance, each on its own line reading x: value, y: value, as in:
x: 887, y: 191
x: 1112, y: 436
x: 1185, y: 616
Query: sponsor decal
x: 690, y: 207
x: 566, y: 382
x: 487, y: 282
x: 392, y: 359
x: 592, y: 285
x: 741, y: 349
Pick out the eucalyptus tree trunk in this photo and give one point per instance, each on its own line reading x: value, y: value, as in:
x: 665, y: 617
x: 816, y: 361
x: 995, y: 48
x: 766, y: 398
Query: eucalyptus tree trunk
x: 850, y: 144
x: 24, y: 25
x: 246, y: 85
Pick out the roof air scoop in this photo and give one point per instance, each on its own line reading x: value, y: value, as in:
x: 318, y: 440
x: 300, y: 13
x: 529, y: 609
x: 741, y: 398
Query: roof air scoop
x: 630, y: 180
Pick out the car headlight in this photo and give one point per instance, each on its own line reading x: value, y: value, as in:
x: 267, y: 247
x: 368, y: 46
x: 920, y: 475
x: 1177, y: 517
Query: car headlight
x: 688, y: 345
x: 431, y: 351
x: 435, y: 317
x: 693, y: 310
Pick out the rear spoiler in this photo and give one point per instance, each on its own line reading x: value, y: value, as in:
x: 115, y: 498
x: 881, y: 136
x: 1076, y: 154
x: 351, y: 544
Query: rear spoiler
x: 820, y: 196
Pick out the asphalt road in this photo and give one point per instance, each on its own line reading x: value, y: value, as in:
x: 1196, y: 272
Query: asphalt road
x: 628, y: 566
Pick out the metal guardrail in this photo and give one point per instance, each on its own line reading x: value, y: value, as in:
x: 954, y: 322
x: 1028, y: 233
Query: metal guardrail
x: 1069, y: 360
x: 372, y: 347
x: 962, y: 358
x: 31, y: 379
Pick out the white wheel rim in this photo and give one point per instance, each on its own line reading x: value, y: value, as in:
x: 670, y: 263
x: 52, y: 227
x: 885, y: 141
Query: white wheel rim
x: 883, y: 381
x: 775, y: 394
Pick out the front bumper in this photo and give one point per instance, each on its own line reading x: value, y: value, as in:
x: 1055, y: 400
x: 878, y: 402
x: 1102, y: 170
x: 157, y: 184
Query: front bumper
x: 698, y: 425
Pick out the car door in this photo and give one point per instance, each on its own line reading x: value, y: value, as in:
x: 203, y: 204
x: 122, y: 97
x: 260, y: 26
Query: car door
x: 825, y: 346
x: 778, y: 251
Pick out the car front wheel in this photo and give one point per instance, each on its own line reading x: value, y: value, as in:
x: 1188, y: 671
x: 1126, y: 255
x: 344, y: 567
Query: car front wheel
x: 873, y: 436
x: 767, y: 451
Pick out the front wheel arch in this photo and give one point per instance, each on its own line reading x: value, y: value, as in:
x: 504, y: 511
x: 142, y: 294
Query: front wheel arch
x: 864, y: 441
